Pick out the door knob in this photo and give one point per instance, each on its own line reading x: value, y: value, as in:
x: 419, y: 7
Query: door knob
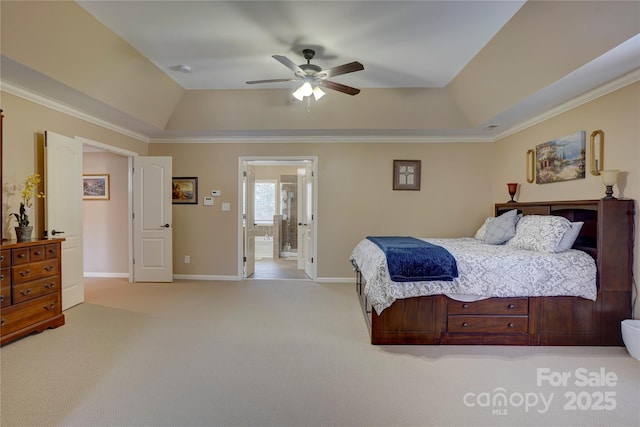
x: 54, y: 232
x: 302, y: 224
x: 166, y: 226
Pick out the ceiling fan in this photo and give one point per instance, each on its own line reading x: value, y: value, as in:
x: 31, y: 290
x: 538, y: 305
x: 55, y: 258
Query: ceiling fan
x: 313, y: 77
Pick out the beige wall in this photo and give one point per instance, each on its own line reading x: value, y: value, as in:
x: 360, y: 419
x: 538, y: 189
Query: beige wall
x: 355, y: 197
x: 22, y: 122
x: 460, y: 182
x: 106, y: 222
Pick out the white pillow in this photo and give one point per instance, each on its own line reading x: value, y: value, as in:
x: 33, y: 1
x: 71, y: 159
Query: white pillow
x: 501, y: 228
x: 569, y: 237
x: 540, y: 233
x: 482, y: 231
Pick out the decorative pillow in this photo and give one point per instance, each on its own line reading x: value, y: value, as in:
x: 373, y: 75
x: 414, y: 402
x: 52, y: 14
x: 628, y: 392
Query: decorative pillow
x: 540, y: 233
x: 569, y: 237
x: 482, y: 231
x: 501, y: 228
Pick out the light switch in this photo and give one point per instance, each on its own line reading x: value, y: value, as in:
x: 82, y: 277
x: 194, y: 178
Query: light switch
x: 216, y: 193
x: 226, y: 206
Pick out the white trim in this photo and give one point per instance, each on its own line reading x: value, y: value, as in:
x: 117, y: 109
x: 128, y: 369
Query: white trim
x: 603, y: 90
x: 107, y: 275
x: 206, y: 277
x: 106, y: 147
x: 57, y: 106
x: 345, y: 280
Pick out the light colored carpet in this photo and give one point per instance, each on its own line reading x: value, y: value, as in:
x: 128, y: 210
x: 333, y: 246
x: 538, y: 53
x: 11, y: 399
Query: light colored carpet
x: 285, y: 353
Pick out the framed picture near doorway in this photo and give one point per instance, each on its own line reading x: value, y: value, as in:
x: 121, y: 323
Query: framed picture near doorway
x: 184, y: 190
x: 95, y: 187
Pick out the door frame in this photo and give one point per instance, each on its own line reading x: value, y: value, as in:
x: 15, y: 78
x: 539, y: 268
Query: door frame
x: 242, y: 202
x: 130, y: 155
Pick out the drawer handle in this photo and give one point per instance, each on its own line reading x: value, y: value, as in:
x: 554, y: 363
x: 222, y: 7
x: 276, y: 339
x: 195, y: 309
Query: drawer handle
x: 1, y: 276
x: 3, y: 322
x: 25, y: 293
x: 48, y: 267
x: 1, y: 258
x: 465, y: 324
x: 24, y: 272
x: 511, y: 325
x: 20, y: 255
x: 49, y: 285
x: 465, y: 305
x: 511, y: 306
x: 37, y: 252
x: 1, y: 298
x: 50, y: 306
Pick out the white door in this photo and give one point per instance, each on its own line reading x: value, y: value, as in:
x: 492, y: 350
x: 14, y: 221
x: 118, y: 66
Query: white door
x: 306, y: 224
x: 152, y: 220
x: 63, y: 211
x: 250, y: 226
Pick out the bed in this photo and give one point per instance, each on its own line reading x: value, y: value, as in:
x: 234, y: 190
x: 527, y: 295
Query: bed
x: 509, y: 294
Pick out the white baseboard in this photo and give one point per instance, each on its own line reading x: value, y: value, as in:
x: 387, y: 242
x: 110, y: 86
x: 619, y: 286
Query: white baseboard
x: 347, y: 280
x: 204, y: 277
x: 107, y: 275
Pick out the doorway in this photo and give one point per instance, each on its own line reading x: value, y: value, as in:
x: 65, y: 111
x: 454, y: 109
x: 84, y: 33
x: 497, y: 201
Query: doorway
x: 276, y: 227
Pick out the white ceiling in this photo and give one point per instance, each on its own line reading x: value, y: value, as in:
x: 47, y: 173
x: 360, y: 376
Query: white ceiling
x: 226, y: 43
x: 402, y: 44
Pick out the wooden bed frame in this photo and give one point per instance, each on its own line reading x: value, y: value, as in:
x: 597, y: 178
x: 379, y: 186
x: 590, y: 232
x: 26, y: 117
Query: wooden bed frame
x: 607, y: 235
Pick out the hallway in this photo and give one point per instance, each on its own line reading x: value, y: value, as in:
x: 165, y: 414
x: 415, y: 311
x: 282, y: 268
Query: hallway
x: 278, y: 268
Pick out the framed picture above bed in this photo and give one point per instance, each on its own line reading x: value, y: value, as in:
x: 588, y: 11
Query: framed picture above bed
x: 184, y: 190
x: 562, y: 159
x: 406, y: 174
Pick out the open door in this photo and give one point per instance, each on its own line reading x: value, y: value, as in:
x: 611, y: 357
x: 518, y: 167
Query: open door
x: 249, y: 221
x: 152, y: 220
x: 63, y: 210
x: 306, y: 224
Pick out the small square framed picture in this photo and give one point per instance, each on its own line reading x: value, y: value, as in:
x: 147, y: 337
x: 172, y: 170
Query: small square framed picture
x: 95, y: 187
x: 184, y: 191
x: 406, y: 174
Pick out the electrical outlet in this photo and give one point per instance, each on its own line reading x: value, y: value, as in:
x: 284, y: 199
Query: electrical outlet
x: 187, y: 259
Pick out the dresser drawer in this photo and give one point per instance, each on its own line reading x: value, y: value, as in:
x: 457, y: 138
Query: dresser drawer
x: 36, y: 253
x: 5, y: 296
x: 51, y: 251
x: 36, y: 270
x: 507, y: 306
x: 34, y: 289
x: 488, y: 324
x: 5, y: 258
x: 19, y: 316
x: 5, y: 277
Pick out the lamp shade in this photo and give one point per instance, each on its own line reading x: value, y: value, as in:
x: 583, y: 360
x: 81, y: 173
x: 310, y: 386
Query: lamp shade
x: 609, y: 177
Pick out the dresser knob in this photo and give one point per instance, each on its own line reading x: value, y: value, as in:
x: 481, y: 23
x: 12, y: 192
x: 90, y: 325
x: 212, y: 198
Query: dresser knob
x: 21, y: 256
x: 1, y: 258
x: 1, y: 298
x: 3, y: 322
x: 50, y: 306
x: 48, y: 267
x: 25, y: 273
x: 37, y: 252
x: 465, y: 324
x: 465, y: 305
x: 25, y: 293
x: 49, y: 285
x: 511, y: 306
x: 511, y: 325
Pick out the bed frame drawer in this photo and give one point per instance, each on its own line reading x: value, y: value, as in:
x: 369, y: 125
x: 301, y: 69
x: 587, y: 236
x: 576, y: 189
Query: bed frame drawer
x: 506, y: 306
x: 488, y: 324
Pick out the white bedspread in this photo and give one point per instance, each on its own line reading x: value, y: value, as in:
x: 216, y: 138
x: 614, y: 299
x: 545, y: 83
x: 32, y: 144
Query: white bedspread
x: 484, y: 271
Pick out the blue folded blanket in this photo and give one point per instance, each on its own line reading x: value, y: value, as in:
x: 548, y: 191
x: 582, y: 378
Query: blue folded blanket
x: 414, y: 260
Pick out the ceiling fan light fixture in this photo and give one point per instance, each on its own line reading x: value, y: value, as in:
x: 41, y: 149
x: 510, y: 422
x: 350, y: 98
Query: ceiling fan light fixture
x: 318, y: 93
x: 302, y: 91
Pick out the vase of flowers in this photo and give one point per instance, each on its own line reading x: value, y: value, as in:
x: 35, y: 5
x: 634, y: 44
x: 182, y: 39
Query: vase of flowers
x: 28, y: 193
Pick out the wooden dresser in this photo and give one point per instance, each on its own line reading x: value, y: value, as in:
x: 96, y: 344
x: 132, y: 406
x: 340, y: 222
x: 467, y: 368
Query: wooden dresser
x: 31, y: 279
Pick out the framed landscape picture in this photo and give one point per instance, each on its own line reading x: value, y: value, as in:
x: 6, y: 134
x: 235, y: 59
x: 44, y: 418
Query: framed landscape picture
x: 95, y: 187
x: 562, y: 159
x: 184, y: 191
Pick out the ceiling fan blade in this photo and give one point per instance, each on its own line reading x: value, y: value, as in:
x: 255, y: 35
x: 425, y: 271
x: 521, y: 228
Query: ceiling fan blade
x: 339, y: 87
x: 290, y: 65
x: 341, y: 69
x: 252, y: 82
